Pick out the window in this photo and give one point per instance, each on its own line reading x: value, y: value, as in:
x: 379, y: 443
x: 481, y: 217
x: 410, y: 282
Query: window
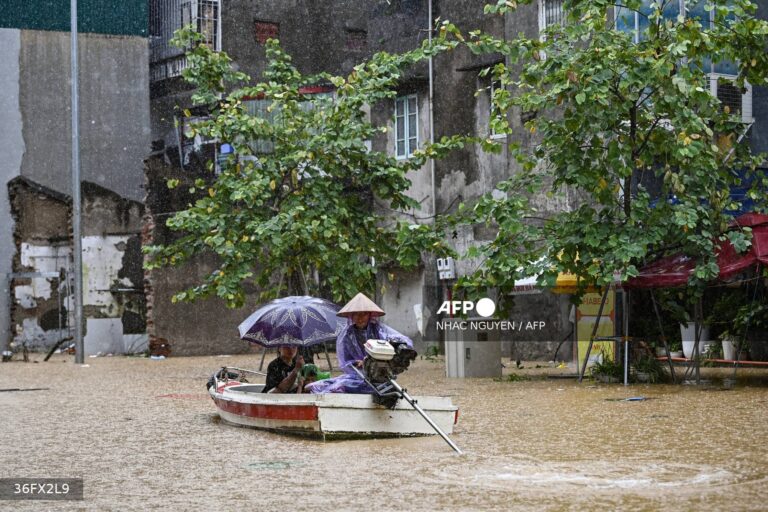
x: 167, y: 16
x: 720, y: 73
x: 637, y: 21
x: 551, y: 13
x: 406, y: 126
x: 205, y: 15
x: 357, y: 40
x: 263, y: 30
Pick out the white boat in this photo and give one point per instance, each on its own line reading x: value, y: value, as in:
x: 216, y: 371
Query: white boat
x: 328, y: 416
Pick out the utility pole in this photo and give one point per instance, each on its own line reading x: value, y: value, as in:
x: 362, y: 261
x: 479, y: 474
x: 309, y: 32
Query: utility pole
x: 77, y: 248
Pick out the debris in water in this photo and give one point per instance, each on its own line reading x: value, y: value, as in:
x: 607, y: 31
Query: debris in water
x: 273, y: 464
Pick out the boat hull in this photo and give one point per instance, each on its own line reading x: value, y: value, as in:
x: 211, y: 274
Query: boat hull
x: 329, y: 416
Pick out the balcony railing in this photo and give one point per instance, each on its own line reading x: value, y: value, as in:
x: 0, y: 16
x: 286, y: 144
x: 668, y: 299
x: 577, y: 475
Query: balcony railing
x: 167, y: 16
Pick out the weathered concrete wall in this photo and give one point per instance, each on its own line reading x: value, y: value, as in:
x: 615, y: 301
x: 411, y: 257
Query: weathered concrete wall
x: 114, y: 110
x: 198, y: 328
x: 11, y: 152
x: 397, y: 297
x: 41, y: 237
x: 113, y: 299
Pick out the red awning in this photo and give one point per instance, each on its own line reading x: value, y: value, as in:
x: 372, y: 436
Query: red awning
x: 673, y: 271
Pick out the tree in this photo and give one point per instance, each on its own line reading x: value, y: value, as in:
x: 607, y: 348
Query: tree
x: 302, y: 210
x: 627, y: 122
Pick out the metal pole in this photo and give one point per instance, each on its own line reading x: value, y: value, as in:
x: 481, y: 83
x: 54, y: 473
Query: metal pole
x: 663, y: 337
x: 432, y: 424
x: 625, y: 328
x: 413, y: 404
x: 76, y: 232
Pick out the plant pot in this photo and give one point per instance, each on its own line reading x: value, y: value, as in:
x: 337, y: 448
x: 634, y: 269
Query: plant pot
x: 688, y: 335
x: 729, y: 349
x: 607, y: 379
x: 676, y: 353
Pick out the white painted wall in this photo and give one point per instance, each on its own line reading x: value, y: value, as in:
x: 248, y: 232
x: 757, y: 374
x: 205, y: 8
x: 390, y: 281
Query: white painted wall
x: 102, y: 260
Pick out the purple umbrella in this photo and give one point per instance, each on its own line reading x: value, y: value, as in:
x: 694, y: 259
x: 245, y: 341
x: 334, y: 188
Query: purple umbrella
x: 297, y: 320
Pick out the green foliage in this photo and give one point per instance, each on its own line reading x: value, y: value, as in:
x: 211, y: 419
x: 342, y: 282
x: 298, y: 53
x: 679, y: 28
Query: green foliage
x: 607, y: 116
x: 651, y: 367
x: 302, y: 217
x: 608, y: 367
x: 513, y: 377
x: 431, y: 353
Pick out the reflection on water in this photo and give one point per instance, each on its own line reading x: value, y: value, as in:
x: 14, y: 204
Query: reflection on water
x: 143, y: 435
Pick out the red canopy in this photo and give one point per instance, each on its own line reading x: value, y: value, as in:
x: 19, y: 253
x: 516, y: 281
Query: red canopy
x: 673, y: 271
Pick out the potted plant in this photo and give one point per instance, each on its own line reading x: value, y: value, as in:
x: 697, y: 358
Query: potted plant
x: 679, y: 306
x: 676, y: 349
x: 754, y: 319
x: 605, y: 369
x: 649, y: 369
x: 739, y: 315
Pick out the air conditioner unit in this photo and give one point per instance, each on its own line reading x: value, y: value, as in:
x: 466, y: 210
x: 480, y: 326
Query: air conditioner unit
x: 739, y: 103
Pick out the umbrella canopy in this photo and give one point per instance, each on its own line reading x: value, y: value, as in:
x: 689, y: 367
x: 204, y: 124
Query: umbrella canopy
x: 297, y: 320
x: 674, y: 271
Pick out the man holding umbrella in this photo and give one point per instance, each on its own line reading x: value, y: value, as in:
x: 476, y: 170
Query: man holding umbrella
x: 362, y: 314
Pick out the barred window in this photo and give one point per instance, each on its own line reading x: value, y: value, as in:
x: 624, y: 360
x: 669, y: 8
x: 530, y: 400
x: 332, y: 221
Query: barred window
x: 551, y: 13
x: 205, y: 15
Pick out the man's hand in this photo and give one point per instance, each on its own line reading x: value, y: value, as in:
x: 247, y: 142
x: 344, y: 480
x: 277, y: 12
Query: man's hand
x: 359, y: 364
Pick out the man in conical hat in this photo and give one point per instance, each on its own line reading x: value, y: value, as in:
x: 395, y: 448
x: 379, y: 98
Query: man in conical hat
x: 363, y: 325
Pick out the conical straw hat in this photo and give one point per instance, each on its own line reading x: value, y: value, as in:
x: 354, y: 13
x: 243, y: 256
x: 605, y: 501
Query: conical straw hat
x: 360, y: 304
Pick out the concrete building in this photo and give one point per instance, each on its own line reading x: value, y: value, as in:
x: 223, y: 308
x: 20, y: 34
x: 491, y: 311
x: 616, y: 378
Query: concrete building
x: 35, y: 173
x: 332, y: 36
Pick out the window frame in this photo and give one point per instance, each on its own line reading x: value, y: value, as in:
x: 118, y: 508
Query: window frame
x: 495, y: 84
x: 543, y: 14
x: 191, y: 12
x: 411, y: 132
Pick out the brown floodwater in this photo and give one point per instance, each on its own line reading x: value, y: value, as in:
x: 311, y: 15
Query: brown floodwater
x: 144, y: 435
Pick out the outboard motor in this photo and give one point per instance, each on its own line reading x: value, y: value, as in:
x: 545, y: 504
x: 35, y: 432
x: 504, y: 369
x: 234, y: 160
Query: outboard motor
x: 384, y: 362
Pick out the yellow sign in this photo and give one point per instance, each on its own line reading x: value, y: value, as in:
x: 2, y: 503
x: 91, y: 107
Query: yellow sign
x: 586, y: 316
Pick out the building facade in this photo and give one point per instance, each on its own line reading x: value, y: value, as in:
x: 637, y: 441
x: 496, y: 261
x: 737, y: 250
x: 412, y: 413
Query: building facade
x: 333, y: 36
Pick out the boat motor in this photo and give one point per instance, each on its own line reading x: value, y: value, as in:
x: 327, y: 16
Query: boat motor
x: 385, y: 360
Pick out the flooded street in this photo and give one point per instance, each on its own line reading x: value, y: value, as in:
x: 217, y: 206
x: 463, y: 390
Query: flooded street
x: 144, y: 435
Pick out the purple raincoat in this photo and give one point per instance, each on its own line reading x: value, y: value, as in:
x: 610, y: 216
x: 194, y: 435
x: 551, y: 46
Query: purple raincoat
x: 349, y: 351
